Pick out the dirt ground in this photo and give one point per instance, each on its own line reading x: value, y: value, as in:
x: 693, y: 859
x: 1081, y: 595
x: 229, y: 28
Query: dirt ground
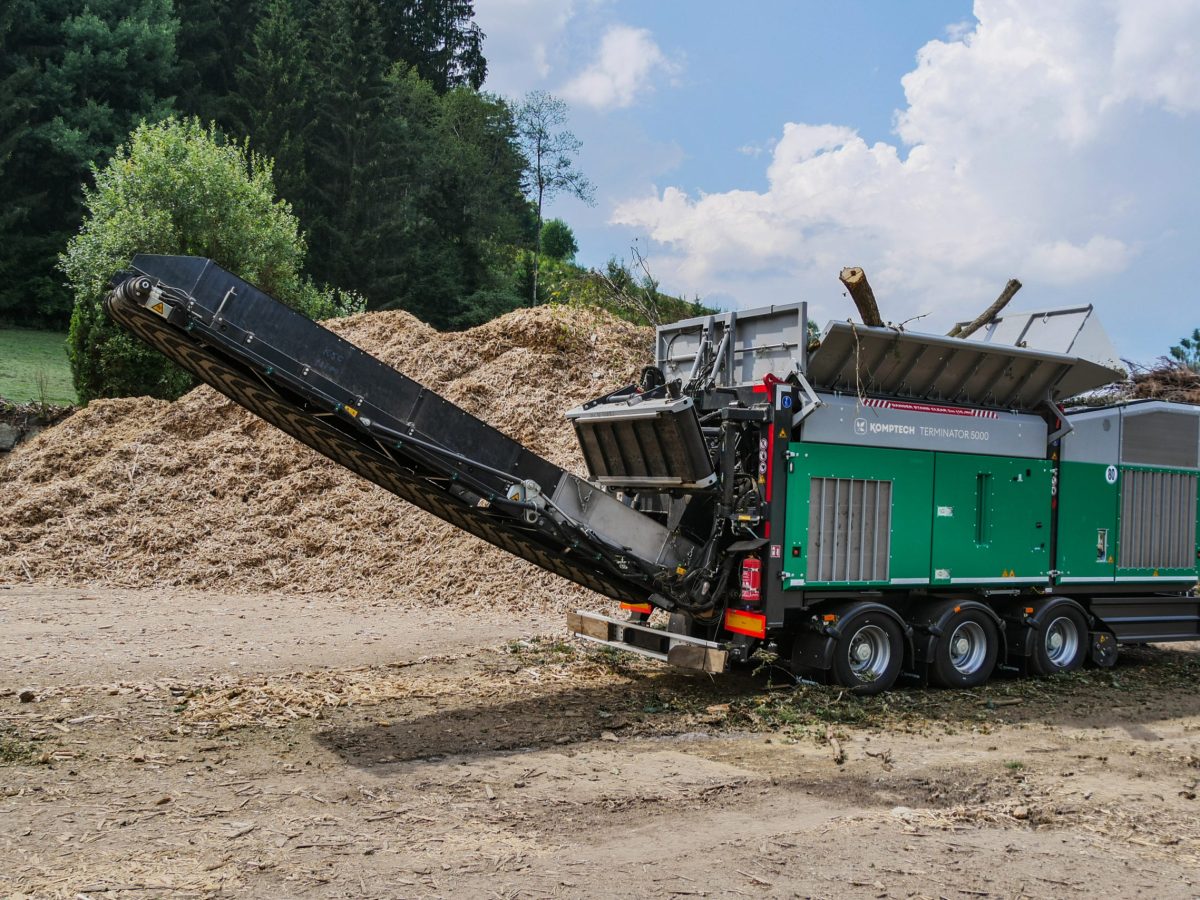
x: 167, y: 744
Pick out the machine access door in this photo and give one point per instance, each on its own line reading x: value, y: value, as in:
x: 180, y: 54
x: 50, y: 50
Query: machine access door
x: 991, y: 520
x: 857, y: 517
x: 1089, y: 503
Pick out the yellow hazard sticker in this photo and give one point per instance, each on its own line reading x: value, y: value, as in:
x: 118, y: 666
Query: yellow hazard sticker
x: 159, y: 308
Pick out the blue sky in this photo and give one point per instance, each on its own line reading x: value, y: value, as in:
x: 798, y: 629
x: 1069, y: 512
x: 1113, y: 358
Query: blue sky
x: 754, y: 150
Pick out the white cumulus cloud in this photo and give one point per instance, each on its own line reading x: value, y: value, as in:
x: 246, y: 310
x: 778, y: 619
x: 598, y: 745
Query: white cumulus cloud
x: 626, y: 64
x: 523, y: 38
x: 1017, y: 155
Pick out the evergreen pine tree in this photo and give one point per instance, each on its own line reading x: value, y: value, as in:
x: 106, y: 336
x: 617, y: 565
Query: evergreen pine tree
x: 75, y: 78
x: 438, y: 38
x: 344, y: 150
x: 274, y: 91
x: 215, y: 37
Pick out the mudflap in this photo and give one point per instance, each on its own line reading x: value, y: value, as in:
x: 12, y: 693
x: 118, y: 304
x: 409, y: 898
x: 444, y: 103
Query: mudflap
x: 1103, y: 649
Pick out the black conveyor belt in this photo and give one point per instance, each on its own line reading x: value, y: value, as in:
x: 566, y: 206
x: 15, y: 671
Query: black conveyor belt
x: 361, y: 413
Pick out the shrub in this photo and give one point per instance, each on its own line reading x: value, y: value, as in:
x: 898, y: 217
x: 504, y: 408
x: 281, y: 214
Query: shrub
x: 178, y: 187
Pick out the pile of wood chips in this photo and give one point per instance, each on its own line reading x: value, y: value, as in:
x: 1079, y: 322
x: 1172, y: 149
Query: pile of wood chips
x: 200, y: 493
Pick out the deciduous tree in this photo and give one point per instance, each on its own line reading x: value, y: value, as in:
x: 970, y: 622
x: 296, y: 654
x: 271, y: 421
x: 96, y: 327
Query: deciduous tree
x: 558, y: 240
x: 178, y: 188
x: 550, y: 151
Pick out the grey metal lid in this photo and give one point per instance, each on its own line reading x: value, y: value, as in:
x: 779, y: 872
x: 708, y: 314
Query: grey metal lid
x: 883, y: 361
x: 1070, y: 330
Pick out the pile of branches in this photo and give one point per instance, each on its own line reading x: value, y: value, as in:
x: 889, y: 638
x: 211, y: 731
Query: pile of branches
x: 855, y: 280
x: 1165, y: 380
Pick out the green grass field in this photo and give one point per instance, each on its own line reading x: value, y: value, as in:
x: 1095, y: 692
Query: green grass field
x: 33, y: 366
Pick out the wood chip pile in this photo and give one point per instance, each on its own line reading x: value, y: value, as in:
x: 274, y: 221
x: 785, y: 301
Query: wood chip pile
x: 200, y: 493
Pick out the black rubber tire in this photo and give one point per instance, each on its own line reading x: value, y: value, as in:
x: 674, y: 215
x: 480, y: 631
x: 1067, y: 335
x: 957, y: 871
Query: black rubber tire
x: 943, y: 671
x: 874, y: 623
x: 1041, y: 661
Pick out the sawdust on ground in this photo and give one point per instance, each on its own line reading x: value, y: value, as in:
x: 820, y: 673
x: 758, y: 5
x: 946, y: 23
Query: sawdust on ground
x: 541, y: 768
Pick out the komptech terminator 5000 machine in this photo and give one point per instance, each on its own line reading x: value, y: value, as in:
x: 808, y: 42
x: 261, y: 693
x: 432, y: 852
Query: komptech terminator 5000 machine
x: 879, y: 502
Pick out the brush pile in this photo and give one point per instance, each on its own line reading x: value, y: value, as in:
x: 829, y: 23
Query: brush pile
x: 200, y: 493
x: 1165, y: 380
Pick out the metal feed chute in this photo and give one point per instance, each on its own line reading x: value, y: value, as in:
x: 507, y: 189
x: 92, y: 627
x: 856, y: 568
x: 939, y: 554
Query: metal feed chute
x: 1071, y: 331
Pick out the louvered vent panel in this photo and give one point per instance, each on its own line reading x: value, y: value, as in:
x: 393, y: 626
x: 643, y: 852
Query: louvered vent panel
x: 1158, y: 520
x: 849, y: 529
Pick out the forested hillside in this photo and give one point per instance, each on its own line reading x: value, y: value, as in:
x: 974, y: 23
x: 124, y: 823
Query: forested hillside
x: 405, y: 178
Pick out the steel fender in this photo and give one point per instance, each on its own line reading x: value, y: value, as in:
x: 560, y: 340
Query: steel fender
x: 814, y: 649
x: 929, y: 625
x: 1042, y: 607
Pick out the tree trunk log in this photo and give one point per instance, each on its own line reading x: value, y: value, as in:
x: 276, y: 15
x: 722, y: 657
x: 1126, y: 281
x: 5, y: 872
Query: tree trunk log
x: 962, y: 331
x: 855, y: 280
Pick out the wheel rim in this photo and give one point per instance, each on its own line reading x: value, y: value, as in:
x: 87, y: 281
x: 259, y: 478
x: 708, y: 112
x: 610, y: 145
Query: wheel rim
x: 870, y: 652
x: 968, y: 648
x: 1062, y: 641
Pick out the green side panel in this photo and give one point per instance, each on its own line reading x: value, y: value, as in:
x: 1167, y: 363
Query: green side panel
x: 991, y: 520
x: 1157, y: 521
x: 1088, y: 510
x: 857, y: 516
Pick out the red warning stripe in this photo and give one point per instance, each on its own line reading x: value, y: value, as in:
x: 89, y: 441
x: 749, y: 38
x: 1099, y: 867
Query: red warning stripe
x: 905, y: 406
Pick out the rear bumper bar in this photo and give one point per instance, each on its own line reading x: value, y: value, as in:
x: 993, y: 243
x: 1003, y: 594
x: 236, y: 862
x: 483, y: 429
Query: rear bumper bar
x: 674, y: 649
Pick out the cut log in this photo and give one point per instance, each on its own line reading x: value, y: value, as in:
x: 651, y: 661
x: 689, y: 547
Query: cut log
x: 855, y: 280
x: 962, y: 331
